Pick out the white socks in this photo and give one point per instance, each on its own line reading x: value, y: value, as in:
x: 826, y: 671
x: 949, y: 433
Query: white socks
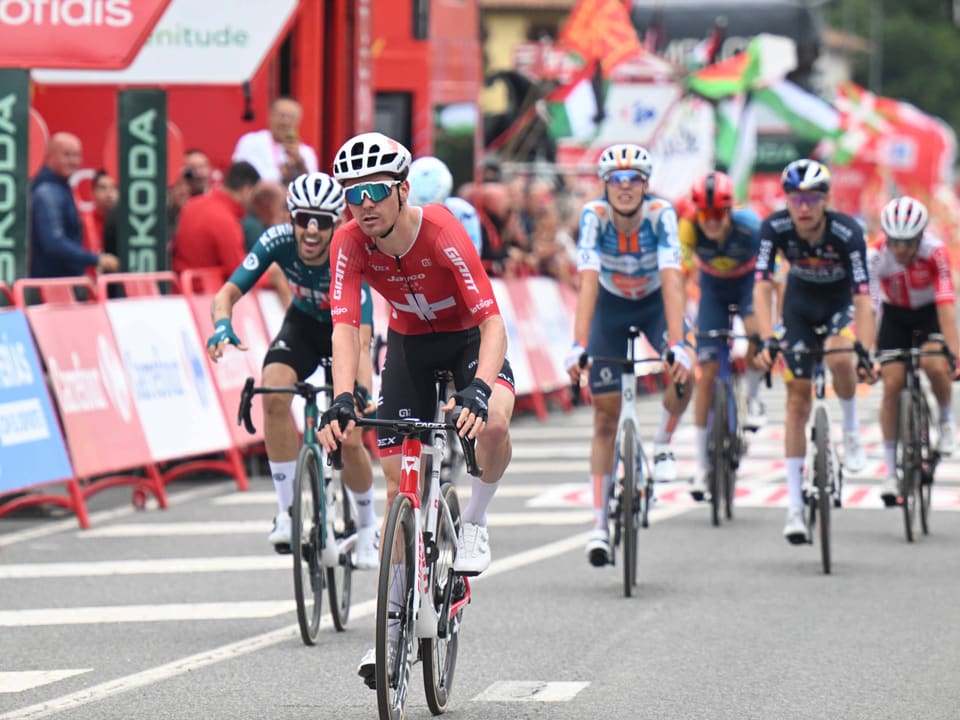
x: 283, y: 473
x: 365, y: 514
x: 476, y: 510
x: 795, y: 482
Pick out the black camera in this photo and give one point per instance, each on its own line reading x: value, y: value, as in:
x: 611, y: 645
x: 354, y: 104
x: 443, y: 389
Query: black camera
x: 188, y: 174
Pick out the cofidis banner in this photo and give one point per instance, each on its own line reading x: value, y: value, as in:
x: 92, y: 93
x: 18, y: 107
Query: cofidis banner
x: 31, y: 446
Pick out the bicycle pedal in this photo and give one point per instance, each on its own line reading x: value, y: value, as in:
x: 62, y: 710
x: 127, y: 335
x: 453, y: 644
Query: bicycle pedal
x: 282, y: 549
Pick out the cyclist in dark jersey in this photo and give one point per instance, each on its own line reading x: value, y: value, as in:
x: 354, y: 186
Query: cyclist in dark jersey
x: 301, y: 249
x: 828, y: 274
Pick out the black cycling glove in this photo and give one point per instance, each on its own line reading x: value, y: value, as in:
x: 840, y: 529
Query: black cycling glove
x: 341, y: 409
x: 475, y: 398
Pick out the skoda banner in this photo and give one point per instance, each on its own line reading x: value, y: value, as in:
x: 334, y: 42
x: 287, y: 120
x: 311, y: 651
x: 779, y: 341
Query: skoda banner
x: 14, y: 120
x: 142, y: 217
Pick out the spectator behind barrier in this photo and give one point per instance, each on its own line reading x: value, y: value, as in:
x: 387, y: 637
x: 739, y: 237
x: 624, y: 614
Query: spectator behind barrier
x: 268, y: 207
x: 105, y: 198
x: 209, y: 233
x: 431, y: 182
x: 194, y: 179
x: 276, y: 151
x: 56, y: 236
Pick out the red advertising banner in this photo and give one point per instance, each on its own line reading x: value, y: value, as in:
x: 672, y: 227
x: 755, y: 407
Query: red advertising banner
x: 88, y: 380
x: 94, y: 34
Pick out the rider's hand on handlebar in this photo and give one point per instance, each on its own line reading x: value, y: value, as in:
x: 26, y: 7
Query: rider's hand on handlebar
x: 572, y: 362
x: 336, y: 422
x: 763, y: 360
x: 475, y: 401
x: 682, y: 364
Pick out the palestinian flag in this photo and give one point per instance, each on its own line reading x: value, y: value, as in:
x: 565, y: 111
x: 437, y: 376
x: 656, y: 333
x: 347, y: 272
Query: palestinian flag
x: 573, y: 108
x: 767, y: 58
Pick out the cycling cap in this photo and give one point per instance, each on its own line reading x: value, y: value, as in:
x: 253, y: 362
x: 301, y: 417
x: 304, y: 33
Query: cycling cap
x: 805, y: 175
x: 430, y: 181
x: 714, y: 191
x: 368, y: 154
x: 625, y: 157
x: 316, y: 191
x: 904, y: 218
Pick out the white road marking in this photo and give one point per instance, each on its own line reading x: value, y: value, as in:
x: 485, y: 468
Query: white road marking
x: 20, y: 680
x: 144, y: 613
x: 243, y: 563
x: 530, y: 691
x: 274, y: 637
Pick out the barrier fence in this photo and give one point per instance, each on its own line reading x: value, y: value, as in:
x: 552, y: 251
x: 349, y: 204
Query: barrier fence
x: 110, y: 384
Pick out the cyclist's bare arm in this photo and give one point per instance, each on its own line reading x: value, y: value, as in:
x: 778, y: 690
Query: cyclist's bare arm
x: 671, y: 283
x: 365, y: 363
x: 947, y: 316
x: 222, y: 309
x: 346, y: 356
x: 865, y: 319
x: 493, y: 350
x: 586, y: 304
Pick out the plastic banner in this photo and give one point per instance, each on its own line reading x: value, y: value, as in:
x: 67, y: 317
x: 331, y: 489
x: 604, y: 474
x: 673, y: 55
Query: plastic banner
x: 141, y: 210
x: 548, y: 373
x: 554, y: 321
x: 32, y: 451
x: 172, y: 388
x: 96, y: 405
x: 516, y: 343
x: 14, y: 171
x: 231, y: 371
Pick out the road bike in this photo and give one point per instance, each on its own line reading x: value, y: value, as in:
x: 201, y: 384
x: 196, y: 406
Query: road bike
x: 822, y: 470
x: 726, y: 435
x: 322, y: 518
x: 419, y: 596
x: 917, y: 456
x: 632, y: 492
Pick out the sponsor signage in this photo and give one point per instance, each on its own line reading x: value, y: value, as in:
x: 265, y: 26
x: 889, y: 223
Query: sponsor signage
x: 75, y: 33
x: 14, y: 121
x: 31, y: 447
x: 208, y: 42
x: 171, y: 385
x: 91, y: 388
x: 142, y: 217
x: 516, y: 342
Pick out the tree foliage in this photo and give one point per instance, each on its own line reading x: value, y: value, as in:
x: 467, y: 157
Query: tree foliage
x: 920, y: 46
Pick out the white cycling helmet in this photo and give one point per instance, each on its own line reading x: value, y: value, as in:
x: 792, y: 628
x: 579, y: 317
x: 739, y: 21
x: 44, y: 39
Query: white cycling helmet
x: 904, y: 218
x: 625, y: 156
x: 316, y: 191
x: 805, y: 175
x: 368, y: 154
x: 430, y: 181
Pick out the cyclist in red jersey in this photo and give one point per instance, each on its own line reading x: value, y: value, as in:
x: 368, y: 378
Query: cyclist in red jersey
x: 911, y: 282
x: 444, y: 317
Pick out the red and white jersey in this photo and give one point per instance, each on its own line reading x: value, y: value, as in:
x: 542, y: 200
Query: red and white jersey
x: 437, y: 285
x: 927, y: 279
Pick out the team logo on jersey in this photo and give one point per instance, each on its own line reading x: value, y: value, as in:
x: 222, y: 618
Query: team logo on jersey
x: 251, y: 262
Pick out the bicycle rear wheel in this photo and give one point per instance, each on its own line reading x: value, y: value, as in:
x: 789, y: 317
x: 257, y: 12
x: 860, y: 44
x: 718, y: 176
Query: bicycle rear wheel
x: 340, y: 515
x: 717, y: 456
x: 823, y: 480
x: 907, y: 461
x: 440, y: 653
x: 305, y: 529
x: 395, y: 613
x: 629, y: 506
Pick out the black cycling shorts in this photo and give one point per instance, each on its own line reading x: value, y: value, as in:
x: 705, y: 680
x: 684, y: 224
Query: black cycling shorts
x: 303, y: 341
x: 898, y: 324
x: 407, y: 383
x: 806, y: 306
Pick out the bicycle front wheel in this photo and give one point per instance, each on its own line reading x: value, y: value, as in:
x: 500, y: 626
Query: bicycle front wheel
x: 305, y: 529
x: 717, y: 455
x: 908, y: 461
x: 395, y: 612
x: 440, y: 653
x: 824, y: 466
x: 927, y: 461
x: 340, y: 516
x: 629, y: 505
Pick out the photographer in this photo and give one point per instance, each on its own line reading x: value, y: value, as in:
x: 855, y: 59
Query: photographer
x: 276, y: 151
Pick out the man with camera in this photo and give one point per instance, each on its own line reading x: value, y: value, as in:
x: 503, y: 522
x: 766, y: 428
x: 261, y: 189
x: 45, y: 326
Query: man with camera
x: 276, y: 151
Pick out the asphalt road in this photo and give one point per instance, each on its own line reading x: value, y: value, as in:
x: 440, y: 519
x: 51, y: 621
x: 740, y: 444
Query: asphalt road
x: 187, y: 613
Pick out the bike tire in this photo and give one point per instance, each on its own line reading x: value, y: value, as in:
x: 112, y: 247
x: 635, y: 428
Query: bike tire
x: 927, y: 464
x: 305, y: 529
x: 738, y: 444
x: 395, y: 612
x: 339, y: 577
x: 907, y: 461
x: 440, y: 654
x: 717, y: 456
x: 824, y: 465
x: 629, y: 505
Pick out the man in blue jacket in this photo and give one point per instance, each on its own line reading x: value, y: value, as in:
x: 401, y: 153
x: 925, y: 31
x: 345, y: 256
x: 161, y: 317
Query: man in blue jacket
x: 56, y: 236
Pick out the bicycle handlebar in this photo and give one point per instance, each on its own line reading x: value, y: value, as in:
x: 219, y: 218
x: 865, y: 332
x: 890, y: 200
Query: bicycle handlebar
x: 413, y: 426
x: 627, y: 365
x: 902, y: 354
